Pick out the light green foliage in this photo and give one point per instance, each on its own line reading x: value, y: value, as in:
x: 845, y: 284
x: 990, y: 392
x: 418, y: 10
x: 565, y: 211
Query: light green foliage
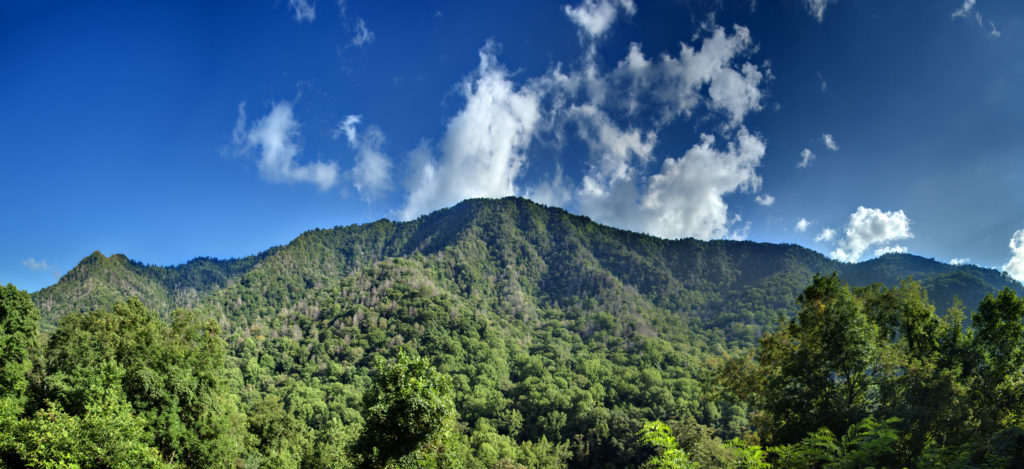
x: 172, y: 375
x: 409, y: 416
x: 668, y: 455
x: 106, y: 435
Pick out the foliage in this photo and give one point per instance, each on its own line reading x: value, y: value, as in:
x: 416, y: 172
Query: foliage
x: 409, y: 414
x: 558, y: 339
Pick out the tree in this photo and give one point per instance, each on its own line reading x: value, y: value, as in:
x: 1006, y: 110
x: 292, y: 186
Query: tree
x: 172, y: 375
x: 999, y: 344
x: 409, y: 416
x: 18, y: 322
x: 817, y: 365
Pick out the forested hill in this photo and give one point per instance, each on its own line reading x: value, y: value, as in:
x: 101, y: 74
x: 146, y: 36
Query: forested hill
x: 519, y: 336
x: 520, y: 255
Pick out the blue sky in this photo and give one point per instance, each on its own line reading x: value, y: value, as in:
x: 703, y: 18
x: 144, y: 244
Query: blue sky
x: 171, y: 130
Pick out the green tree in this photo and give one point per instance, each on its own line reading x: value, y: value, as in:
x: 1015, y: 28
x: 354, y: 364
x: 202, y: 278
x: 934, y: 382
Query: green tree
x: 172, y: 375
x: 409, y: 416
x: 817, y: 367
x: 18, y: 322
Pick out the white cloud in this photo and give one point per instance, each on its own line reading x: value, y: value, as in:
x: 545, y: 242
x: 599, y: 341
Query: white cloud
x: 483, y: 151
x: 675, y: 85
x: 1015, y: 266
x: 802, y: 225
x: 372, y: 172
x: 870, y: 226
x: 826, y: 234
x: 830, y: 142
x: 556, y: 191
x: 817, y: 8
x: 595, y: 17
x: 363, y: 34
x: 965, y: 12
x: 613, y: 149
x: 37, y: 266
x: 890, y: 250
x: 304, y: 10
x: 686, y: 197
x: 964, y: 9
x: 765, y: 199
x: 959, y: 260
x: 275, y: 134
x: 806, y: 157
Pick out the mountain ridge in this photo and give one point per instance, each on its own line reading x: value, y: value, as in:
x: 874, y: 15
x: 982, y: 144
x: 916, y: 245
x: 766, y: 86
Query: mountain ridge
x: 721, y: 281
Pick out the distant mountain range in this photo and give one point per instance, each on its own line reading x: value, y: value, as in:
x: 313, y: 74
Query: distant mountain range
x: 513, y: 255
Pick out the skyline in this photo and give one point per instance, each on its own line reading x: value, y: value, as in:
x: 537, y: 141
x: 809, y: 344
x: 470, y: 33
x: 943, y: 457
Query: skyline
x: 173, y: 131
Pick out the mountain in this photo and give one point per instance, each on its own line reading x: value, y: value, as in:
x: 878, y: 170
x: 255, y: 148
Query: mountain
x: 518, y: 250
x: 561, y: 337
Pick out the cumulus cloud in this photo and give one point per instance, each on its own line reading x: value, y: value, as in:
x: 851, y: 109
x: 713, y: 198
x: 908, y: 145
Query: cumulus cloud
x: 817, y: 8
x: 672, y: 86
x: 686, y: 197
x: 275, y: 136
x: 483, y: 150
x: 806, y: 157
x: 764, y: 199
x: 304, y: 10
x: 595, y: 17
x: 802, y: 225
x: 830, y: 142
x: 612, y: 149
x: 959, y: 260
x: 826, y: 234
x: 37, y: 266
x: 372, y: 173
x: 868, y: 227
x: 1015, y: 266
x: 363, y: 34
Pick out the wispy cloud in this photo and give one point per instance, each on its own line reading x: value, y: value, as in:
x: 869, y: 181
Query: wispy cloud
x: 802, y: 225
x: 765, y: 199
x: 965, y: 11
x: 959, y: 260
x: 817, y: 8
x: 275, y: 135
x: 363, y: 34
x: 304, y: 10
x: 806, y: 157
x: 36, y: 266
x: 830, y: 142
x: 371, y: 174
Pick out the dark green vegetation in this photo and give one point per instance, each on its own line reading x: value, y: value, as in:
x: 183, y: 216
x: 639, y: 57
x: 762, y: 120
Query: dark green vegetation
x: 499, y: 333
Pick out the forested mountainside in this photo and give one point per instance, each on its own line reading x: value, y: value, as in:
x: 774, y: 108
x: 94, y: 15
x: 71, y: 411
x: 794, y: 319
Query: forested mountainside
x: 519, y: 246
x: 501, y: 333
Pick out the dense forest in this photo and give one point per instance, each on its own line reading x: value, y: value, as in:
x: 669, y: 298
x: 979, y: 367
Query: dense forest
x: 501, y: 333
